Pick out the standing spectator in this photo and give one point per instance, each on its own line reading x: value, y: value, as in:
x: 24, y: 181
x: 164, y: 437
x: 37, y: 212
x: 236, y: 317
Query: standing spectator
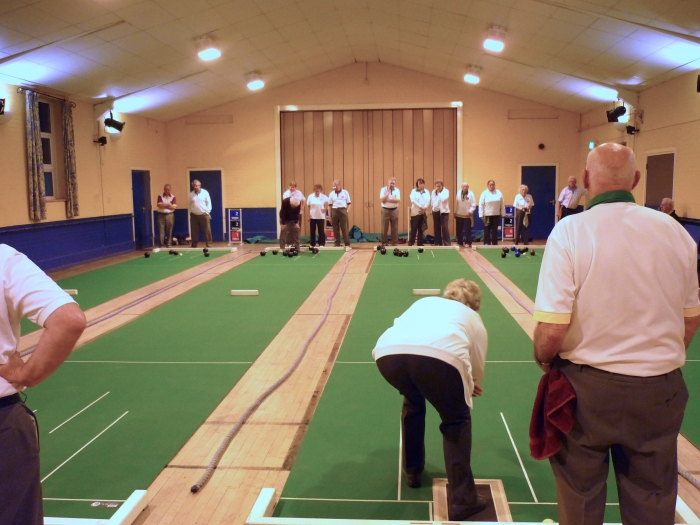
x: 569, y: 199
x: 464, y: 212
x: 668, y: 208
x: 617, y: 328
x: 291, y: 192
x: 420, y: 200
x: 167, y: 204
x: 445, y: 365
x: 318, y: 204
x: 440, y: 202
x: 27, y: 291
x: 491, y: 209
x: 290, y: 217
x: 523, y: 204
x: 200, y: 213
x: 339, y: 201
x: 390, y: 197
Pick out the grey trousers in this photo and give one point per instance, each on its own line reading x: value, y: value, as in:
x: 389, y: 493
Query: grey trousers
x: 441, y: 228
x: 339, y: 216
x: 20, y: 488
x: 165, y: 228
x: 290, y: 235
x: 390, y: 216
x: 634, y: 420
x: 200, y: 223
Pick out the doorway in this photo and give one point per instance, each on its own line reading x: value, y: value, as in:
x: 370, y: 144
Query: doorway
x: 542, y: 185
x: 211, y: 181
x: 142, y: 209
x: 659, y: 179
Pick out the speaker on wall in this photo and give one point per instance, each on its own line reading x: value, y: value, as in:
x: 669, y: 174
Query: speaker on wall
x: 698, y: 83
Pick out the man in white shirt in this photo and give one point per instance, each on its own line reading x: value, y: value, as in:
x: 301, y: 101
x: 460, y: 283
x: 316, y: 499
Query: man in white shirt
x: 569, y: 198
x: 27, y: 291
x: 440, y: 202
x: 390, y: 197
x: 523, y: 204
x: 464, y: 213
x: 420, y: 202
x: 167, y: 204
x: 200, y: 213
x: 339, y: 201
x: 491, y: 208
x: 617, y: 326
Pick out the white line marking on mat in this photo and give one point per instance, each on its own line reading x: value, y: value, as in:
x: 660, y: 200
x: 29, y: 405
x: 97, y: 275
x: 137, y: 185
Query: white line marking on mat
x: 83, y: 447
x: 400, y: 455
x: 359, y: 500
x: 93, y: 499
x: 431, y: 251
x: 355, y: 362
x: 519, y: 460
x: 168, y: 362
x: 83, y: 410
x: 35, y: 411
x: 430, y: 509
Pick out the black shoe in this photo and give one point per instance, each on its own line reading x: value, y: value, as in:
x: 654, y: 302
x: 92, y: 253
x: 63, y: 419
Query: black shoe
x: 467, y: 512
x: 413, y: 480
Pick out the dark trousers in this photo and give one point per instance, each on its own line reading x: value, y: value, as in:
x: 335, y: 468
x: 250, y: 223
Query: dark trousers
x: 165, y: 228
x: 491, y: 223
x: 634, y: 420
x: 200, y: 223
x: 520, y: 229
x: 441, y: 228
x: 565, y: 212
x: 318, y: 224
x: 390, y: 217
x: 416, y: 230
x: 291, y: 235
x: 339, y: 216
x: 20, y: 489
x: 418, y: 378
x: 464, y: 231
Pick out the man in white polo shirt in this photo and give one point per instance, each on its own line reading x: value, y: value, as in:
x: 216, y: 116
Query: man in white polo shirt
x: 390, y: 197
x: 339, y: 201
x: 617, y: 305
x: 200, y: 213
x: 27, y: 291
x: 569, y: 198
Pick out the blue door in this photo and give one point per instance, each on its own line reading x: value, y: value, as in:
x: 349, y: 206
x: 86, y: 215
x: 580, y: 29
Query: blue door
x: 211, y: 181
x: 542, y: 184
x: 141, y: 195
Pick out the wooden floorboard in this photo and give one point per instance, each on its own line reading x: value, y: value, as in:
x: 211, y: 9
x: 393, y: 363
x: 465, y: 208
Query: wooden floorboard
x: 263, y: 451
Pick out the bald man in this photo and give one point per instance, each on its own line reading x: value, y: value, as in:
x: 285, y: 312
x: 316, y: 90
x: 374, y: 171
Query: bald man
x: 669, y: 208
x: 617, y: 327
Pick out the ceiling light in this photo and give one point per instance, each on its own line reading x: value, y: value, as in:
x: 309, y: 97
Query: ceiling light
x: 114, y: 124
x: 473, y: 74
x: 495, y: 40
x: 615, y: 113
x: 255, y: 82
x: 206, y: 49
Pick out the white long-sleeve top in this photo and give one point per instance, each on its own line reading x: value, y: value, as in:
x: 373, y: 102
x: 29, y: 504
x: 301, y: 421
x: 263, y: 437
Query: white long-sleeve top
x: 419, y: 201
x: 491, y: 203
x: 465, y: 204
x: 441, y: 201
x: 443, y: 329
x: 523, y: 203
x: 200, y: 203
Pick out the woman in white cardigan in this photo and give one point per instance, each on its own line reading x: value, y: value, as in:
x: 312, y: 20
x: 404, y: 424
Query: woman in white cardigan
x: 464, y: 213
x: 491, y: 209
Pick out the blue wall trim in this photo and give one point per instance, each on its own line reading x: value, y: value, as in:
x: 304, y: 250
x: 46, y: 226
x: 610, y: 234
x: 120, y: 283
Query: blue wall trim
x: 60, y: 244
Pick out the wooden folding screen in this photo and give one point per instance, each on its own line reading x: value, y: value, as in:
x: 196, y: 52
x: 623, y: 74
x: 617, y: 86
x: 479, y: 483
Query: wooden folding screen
x: 363, y: 149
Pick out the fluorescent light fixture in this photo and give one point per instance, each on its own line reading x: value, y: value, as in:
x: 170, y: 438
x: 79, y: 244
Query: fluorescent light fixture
x: 255, y: 82
x: 456, y: 104
x: 495, y: 40
x: 291, y: 108
x: 206, y: 49
x: 591, y: 145
x: 473, y: 75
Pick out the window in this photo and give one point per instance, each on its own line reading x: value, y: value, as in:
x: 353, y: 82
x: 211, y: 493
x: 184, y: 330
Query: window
x: 52, y: 148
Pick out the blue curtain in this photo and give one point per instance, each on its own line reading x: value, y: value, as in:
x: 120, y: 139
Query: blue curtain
x: 35, y: 160
x: 69, y: 160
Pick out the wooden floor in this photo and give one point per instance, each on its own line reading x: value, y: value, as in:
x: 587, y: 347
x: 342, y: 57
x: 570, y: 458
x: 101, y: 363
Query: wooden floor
x: 263, y: 452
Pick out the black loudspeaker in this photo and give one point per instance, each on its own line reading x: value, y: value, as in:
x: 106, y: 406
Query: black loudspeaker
x: 698, y: 83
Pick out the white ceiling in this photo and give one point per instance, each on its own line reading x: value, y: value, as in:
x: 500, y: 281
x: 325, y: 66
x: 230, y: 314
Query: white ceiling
x: 558, y: 52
